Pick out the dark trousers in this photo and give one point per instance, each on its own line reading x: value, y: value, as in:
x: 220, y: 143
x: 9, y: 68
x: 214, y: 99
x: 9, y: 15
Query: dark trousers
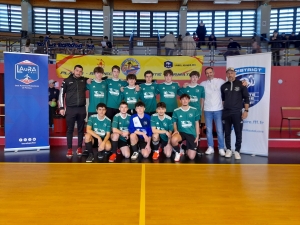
x: 237, y: 122
x: 52, y: 111
x: 276, y: 57
x: 75, y: 114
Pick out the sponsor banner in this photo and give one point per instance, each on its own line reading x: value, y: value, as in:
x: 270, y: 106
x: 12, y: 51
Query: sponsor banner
x: 180, y: 65
x: 256, y: 70
x: 26, y: 101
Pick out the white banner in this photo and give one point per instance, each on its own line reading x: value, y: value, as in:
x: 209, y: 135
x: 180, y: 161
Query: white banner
x: 256, y: 70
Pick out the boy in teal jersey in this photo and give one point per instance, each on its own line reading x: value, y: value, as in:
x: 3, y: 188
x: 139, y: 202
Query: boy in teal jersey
x: 186, y: 127
x: 98, y: 133
x: 168, y: 92
x: 195, y: 91
x: 162, y: 128
x: 120, y: 133
x: 97, y: 91
x: 129, y: 94
x: 148, y: 92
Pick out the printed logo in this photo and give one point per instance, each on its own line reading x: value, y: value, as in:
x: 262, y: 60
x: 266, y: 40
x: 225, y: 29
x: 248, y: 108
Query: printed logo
x: 98, y: 94
x: 194, y: 98
x: 148, y: 95
x: 169, y: 94
x: 130, y: 66
x: 255, y: 77
x: 186, y: 124
x: 26, y: 72
x: 168, y: 64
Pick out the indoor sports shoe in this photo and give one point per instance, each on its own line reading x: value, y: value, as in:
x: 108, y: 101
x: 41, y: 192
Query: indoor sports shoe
x: 100, y: 155
x: 79, y: 151
x: 90, y: 158
x: 85, y: 152
x: 69, y: 152
x: 113, y: 157
x: 155, y: 155
x: 237, y: 155
x: 209, y: 151
x: 228, y: 153
x: 134, y: 156
x: 221, y: 152
x: 177, y: 157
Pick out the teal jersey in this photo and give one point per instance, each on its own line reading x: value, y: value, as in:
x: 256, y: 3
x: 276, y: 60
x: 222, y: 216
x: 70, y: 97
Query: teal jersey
x: 185, y: 120
x: 148, y: 96
x: 131, y: 96
x: 196, y: 93
x: 121, y: 123
x: 114, y: 96
x: 168, y: 94
x: 98, y: 94
x: 164, y: 124
x: 100, y: 127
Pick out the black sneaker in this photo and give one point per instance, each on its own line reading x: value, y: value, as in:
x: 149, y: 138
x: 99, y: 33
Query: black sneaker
x: 90, y: 158
x: 100, y: 155
x: 85, y: 153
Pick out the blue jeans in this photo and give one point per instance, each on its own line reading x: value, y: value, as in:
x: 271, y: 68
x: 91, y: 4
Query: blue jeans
x: 216, y: 116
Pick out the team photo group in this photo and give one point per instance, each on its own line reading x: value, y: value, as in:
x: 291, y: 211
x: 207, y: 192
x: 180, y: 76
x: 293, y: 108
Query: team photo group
x: 131, y: 120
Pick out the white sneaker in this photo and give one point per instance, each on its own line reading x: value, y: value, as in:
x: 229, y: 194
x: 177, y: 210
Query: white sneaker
x: 237, y: 155
x: 209, y: 151
x: 221, y: 152
x: 134, y: 155
x: 228, y: 153
x: 177, y: 157
x: 181, y: 151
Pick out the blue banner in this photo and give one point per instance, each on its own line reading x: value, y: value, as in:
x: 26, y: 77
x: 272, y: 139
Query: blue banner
x: 26, y: 101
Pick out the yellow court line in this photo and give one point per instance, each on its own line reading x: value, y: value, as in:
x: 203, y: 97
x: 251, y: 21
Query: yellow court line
x: 142, y: 199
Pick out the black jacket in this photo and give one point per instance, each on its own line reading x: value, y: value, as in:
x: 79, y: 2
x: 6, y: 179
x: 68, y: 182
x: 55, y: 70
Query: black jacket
x: 233, y: 45
x: 234, y: 96
x: 276, y: 43
x: 74, y: 89
x: 201, y: 31
x: 53, y: 93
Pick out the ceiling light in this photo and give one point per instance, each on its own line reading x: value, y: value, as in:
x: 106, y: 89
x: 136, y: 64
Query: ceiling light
x: 62, y: 0
x: 144, y: 1
x: 227, y: 2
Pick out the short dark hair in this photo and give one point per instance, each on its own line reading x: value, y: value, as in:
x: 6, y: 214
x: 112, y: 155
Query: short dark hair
x: 101, y: 105
x: 194, y: 73
x: 115, y: 67
x: 207, y: 68
x: 147, y: 72
x: 161, y: 105
x: 131, y: 76
x: 78, y: 66
x: 139, y: 104
x: 62, y: 37
x: 123, y: 103
x: 166, y: 72
x: 98, y: 69
x: 185, y: 96
x: 48, y: 32
x: 105, y: 37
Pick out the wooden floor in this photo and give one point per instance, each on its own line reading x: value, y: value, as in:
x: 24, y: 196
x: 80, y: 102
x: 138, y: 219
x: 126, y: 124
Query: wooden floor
x: 61, y: 193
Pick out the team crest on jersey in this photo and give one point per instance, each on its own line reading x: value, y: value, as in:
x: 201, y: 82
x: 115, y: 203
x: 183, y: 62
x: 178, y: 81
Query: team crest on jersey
x: 255, y: 77
x: 165, y: 124
x: 145, y: 123
x: 190, y: 115
x: 26, y: 72
x: 130, y: 66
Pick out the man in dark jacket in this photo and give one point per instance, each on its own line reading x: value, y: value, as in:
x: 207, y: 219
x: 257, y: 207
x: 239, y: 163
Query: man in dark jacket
x: 275, y: 42
x: 212, y: 41
x: 235, y: 96
x: 72, y: 105
x: 201, y: 32
x: 232, y: 48
x: 52, y: 101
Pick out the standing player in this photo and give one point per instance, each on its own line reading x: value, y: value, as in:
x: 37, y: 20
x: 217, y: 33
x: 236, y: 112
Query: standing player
x: 140, y: 131
x: 98, y: 133
x: 97, y: 91
x: 162, y: 128
x: 129, y: 94
x: 148, y: 93
x: 186, y: 127
x: 120, y: 133
x: 168, y: 92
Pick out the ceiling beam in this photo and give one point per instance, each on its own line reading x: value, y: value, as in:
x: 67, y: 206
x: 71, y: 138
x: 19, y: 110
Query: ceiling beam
x: 184, y: 2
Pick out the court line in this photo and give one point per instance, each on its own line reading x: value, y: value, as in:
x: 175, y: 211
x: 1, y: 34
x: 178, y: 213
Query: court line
x: 142, y: 198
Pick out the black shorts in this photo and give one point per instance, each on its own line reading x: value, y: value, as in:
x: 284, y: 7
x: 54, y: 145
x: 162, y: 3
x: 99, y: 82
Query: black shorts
x: 122, y: 143
x: 163, y: 143
x: 190, y: 141
x: 111, y: 112
x: 142, y: 143
x: 95, y: 145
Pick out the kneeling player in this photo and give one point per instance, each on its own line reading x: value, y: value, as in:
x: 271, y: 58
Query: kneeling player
x: 140, y: 131
x: 186, y: 127
x: 120, y: 133
x: 98, y: 133
x: 162, y: 128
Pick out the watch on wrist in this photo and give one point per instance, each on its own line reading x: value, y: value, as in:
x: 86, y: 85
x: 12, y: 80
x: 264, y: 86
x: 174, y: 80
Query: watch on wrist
x: 246, y: 110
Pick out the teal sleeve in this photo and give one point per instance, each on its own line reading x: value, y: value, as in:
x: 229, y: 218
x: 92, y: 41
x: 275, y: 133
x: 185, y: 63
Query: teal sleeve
x: 115, y: 122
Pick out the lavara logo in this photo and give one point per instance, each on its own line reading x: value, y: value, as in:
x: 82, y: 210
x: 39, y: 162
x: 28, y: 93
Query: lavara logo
x: 255, y: 77
x: 26, y: 72
x: 130, y: 66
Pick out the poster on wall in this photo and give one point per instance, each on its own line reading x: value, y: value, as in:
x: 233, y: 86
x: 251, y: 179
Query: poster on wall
x: 26, y: 101
x: 256, y: 70
x: 180, y: 65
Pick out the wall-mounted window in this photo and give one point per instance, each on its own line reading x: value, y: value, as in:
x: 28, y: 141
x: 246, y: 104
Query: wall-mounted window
x: 285, y: 20
x: 10, y: 18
